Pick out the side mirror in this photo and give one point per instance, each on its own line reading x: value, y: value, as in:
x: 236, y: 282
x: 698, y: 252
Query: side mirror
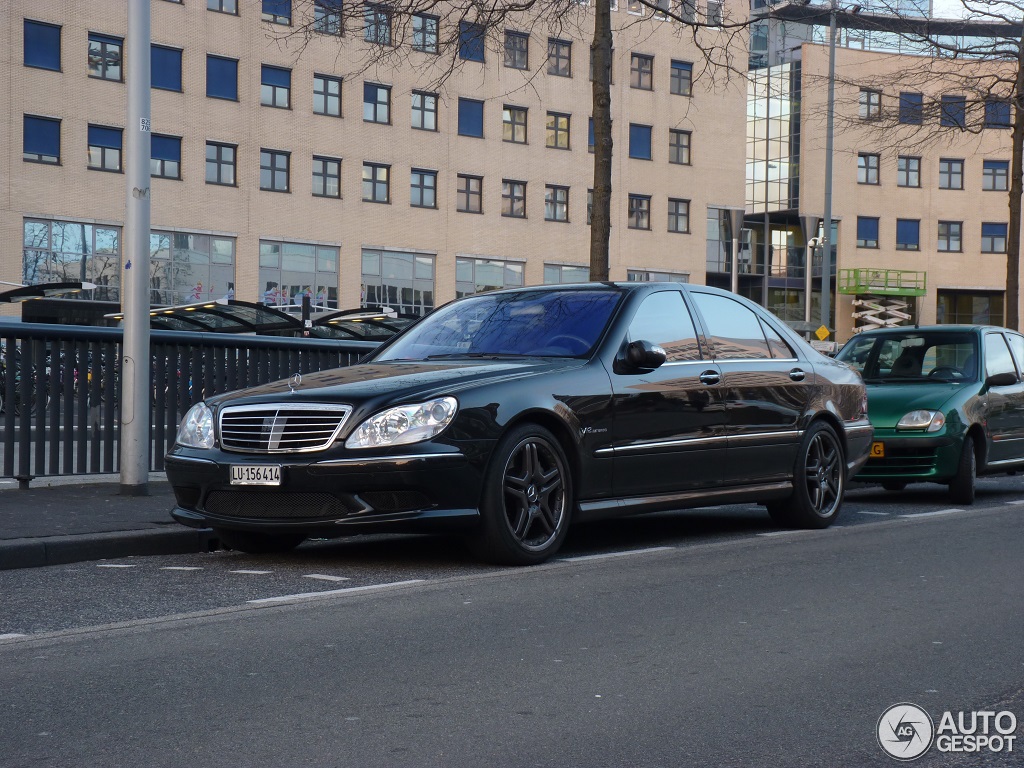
x: 645, y: 356
x: 1001, y: 379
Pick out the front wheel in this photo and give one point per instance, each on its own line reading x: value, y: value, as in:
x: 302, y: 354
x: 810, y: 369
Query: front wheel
x: 255, y: 543
x: 961, y: 487
x: 819, y: 479
x: 527, y: 499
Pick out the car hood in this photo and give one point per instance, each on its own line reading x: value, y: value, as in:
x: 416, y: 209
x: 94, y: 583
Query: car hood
x: 888, y: 403
x: 394, y: 381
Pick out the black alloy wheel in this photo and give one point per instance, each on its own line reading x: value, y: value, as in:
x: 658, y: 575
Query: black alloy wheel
x: 818, y: 483
x: 527, y: 499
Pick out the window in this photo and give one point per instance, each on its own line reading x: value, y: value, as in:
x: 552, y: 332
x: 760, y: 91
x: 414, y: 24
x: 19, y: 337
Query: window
x: 555, y: 274
x: 278, y: 11
x: 953, y: 112
x: 993, y: 237
x: 59, y: 251
x: 951, y: 174
x: 377, y: 28
x: 223, y: 6
x: 424, y: 33
x: 639, y: 211
x: 517, y: 50
x: 635, y: 7
x: 376, y: 183
x: 911, y: 108
x: 663, y: 319
x: 867, y: 232
x: 424, y: 110
x: 590, y: 135
x: 908, y: 235
x: 556, y: 203
x: 220, y: 163
x: 678, y: 147
x: 870, y: 104
x: 997, y: 114
x: 376, y: 103
x: 165, y: 157
x: 995, y: 175
x: 681, y: 78
x: 276, y: 87
x: 327, y: 17
x: 165, y: 68
x: 404, y: 281
x: 513, y: 126
x: 105, y: 56
x: 590, y: 206
x: 997, y: 356
x: 949, y: 238
x: 735, y: 331
x: 559, y: 58
x: 221, y: 78
x: 715, y: 15
x: 513, y: 199
x: 185, y: 267
x: 867, y: 169
x: 42, y: 45
x: 653, y: 276
x: 687, y: 11
x: 470, y: 194
x: 105, y: 148
x: 289, y: 271
x: 557, y: 131
x: 327, y: 95
x: 326, y: 177
x: 423, y: 188
x: 641, y: 72
x: 471, y: 118
x: 274, y: 170
x: 640, y: 141
x: 678, y: 215
x: 970, y: 307
x: 478, y: 275
x: 471, y: 41
x: 908, y: 171
x: 40, y: 140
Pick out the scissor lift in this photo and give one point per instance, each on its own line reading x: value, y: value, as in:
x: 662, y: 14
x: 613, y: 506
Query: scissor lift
x: 881, y: 296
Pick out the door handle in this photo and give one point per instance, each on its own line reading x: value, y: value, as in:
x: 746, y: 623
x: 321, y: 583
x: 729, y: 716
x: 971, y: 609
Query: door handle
x: 797, y: 375
x: 709, y: 377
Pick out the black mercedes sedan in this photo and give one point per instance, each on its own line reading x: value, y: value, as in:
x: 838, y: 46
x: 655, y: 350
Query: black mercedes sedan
x: 508, y: 415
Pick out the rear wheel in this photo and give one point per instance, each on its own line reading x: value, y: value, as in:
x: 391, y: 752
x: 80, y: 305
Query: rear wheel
x: 961, y: 487
x: 256, y: 543
x: 819, y: 479
x: 527, y: 499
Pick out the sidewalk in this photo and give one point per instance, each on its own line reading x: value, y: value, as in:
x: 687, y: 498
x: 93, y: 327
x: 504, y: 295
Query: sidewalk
x: 70, y: 519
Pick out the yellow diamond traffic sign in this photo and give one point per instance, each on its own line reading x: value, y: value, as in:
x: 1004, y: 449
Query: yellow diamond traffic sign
x: 822, y: 333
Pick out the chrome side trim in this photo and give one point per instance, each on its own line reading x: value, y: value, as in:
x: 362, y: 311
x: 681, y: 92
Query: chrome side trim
x: 190, y: 459
x: 1003, y: 462
x: 667, y: 500
x: 858, y: 428
x: 387, y: 459
x: 693, y: 441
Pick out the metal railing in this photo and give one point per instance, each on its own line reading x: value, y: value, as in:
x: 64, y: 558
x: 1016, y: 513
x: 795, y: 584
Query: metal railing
x: 886, y: 282
x: 59, y: 388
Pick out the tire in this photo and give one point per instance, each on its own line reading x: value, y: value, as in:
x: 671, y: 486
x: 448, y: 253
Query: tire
x: 527, y: 499
x: 255, y: 543
x: 819, y: 480
x: 894, y: 486
x: 961, y: 487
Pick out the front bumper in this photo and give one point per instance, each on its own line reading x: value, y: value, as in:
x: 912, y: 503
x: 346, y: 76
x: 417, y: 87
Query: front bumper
x: 909, y: 456
x: 328, y: 497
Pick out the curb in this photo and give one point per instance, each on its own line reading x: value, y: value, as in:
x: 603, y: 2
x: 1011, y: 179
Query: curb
x: 60, y: 550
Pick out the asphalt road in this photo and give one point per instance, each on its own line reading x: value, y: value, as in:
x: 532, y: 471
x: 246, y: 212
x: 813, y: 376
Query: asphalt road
x: 706, y: 638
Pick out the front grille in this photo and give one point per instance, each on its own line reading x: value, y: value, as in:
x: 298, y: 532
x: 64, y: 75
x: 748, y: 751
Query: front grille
x: 281, y: 428
x: 265, y: 505
x: 915, y: 461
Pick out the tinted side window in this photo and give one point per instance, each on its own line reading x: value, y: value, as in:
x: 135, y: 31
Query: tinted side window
x: 664, y: 320
x: 997, y: 355
x: 1017, y: 345
x: 734, y: 329
x: 780, y: 347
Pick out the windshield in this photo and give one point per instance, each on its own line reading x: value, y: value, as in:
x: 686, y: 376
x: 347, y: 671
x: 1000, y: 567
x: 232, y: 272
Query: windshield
x: 913, y: 356
x: 541, y: 323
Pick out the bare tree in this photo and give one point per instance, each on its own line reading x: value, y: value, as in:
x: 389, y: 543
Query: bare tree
x: 371, y: 34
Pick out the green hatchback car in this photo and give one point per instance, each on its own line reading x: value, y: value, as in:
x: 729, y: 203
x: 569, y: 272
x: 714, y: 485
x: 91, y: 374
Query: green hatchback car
x: 946, y: 402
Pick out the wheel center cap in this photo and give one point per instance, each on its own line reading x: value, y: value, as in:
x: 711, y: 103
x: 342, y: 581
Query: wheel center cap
x: 531, y: 493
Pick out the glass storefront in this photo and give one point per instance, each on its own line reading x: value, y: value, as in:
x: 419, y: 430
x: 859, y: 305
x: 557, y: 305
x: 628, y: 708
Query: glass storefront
x: 400, y: 280
x: 67, y: 251
x: 186, y: 268
x: 289, y: 271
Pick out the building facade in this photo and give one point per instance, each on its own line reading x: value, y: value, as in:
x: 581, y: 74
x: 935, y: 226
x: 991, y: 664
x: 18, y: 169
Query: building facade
x: 289, y: 159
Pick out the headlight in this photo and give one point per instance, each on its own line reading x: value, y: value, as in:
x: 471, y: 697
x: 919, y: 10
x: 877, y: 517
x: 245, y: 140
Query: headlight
x: 404, y: 424
x: 930, y: 421
x: 196, y: 430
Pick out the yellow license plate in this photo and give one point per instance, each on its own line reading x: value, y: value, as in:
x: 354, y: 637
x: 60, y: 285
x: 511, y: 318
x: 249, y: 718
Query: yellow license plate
x: 878, y: 450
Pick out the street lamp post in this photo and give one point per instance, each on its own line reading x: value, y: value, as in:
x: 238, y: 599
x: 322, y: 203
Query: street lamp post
x: 826, y: 240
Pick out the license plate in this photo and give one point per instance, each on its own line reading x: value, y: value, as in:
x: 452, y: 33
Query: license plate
x: 255, y: 474
x: 877, y: 450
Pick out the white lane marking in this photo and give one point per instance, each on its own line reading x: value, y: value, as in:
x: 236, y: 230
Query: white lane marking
x: 325, y: 577
x: 346, y: 590
x: 786, y: 533
x: 581, y: 558
x: 1016, y: 501
x: 936, y: 512
x: 11, y: 636
x: 866, y: 512
x: 252, y: 573
x: 113, y: 565
x: 181, y: 568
